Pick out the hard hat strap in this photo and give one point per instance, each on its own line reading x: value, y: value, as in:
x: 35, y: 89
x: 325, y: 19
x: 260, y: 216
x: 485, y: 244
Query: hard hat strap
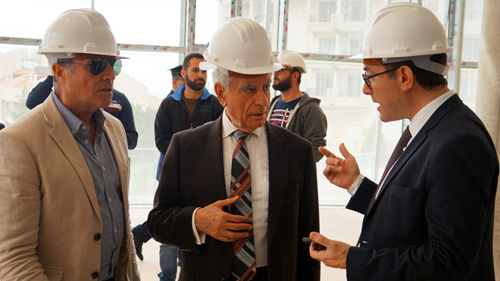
x: 422, y: 62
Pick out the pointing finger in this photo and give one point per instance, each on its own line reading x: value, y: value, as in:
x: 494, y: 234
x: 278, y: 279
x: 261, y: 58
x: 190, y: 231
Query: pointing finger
x: 325, y: 152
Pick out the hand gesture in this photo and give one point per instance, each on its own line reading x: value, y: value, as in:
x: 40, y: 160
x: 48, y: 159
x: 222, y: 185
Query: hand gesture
x: 333, y: 254
x: 340, y: 172
x: 221, y: 225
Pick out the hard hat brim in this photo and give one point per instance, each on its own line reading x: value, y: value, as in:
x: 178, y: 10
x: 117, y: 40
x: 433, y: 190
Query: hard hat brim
x: 205, y: 65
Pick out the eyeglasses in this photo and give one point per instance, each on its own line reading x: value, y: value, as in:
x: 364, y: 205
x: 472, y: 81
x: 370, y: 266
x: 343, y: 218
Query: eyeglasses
x: 98, y: 65
x: 366, y: 78
x: 278, y: 72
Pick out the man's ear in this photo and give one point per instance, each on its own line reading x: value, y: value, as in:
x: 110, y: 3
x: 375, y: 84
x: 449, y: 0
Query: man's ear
x: 59, y: 72
x: 295, y: 75
x: 406, y: 79
x: 183, y: 74
x: 221, y: 94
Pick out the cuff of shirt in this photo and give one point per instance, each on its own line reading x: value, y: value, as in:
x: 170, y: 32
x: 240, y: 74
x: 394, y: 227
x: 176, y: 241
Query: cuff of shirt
x: 355, y: 185
x: 199, y: 237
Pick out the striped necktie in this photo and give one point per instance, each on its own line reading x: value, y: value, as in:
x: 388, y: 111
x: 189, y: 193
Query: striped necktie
x: 243, y: 265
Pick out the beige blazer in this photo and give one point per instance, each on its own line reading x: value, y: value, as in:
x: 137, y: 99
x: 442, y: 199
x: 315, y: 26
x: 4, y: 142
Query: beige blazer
x: 50, y: 223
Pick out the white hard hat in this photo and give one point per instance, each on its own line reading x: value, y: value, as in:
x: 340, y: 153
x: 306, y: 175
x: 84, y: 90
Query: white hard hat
x: 292, y: 59
x: 82, y: 31
x: 240, y: 45
x: 401, y: 31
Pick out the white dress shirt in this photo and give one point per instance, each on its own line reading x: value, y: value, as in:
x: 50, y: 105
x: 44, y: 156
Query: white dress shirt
x: 259, y: 168
x: 419, y: 120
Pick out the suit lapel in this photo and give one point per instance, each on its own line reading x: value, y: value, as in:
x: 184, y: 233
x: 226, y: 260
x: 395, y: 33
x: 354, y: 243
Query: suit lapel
x: 451, y: 103
x: 66, y: 142
x: 210, y: 147
x: 279, y: 157
x: 121, y: 157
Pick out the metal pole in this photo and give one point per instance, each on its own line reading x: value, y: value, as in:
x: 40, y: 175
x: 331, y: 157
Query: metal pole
x: 191, y: 16
x: 236, y: 6
x: 458, y: 69
x: 282, y: 44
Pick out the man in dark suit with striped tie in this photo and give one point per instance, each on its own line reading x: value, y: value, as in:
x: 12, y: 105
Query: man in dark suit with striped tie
x: 238, y: 194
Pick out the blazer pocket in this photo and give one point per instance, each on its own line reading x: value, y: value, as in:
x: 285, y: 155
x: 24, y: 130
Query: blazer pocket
x: 52, y: 273
x: 402, y: 195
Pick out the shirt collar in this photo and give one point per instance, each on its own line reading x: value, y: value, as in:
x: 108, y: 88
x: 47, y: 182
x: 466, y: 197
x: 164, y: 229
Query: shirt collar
x: 73, y: 122
x: 426, y: 112
x: 228, y: 127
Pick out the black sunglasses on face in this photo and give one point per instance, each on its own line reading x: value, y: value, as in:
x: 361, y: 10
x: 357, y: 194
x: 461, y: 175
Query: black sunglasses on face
x: 366, y: 78
x: 98, y: 65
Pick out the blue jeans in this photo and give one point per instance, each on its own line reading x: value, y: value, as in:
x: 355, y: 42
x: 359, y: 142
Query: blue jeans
x: 168, y: 262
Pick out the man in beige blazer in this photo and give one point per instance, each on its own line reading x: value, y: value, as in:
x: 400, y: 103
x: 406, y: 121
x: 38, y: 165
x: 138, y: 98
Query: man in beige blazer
x: 64, y: 167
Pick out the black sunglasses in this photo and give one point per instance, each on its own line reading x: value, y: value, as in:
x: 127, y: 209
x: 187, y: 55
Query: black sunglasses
x: 98, y: 64
x: 366, y: 78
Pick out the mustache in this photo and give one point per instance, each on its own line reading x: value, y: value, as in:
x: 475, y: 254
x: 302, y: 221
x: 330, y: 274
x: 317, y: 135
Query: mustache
x: 107, y: 84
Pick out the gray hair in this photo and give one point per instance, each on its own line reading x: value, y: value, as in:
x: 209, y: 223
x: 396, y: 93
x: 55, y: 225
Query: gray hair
x: 222, y: 78
x: 66, y: 62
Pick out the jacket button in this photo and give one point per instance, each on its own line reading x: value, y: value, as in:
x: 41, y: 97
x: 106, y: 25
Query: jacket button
x: 95, y: 274
x: 97, y: 237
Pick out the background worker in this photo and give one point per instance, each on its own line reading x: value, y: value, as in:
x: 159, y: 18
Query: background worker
x: 294, y: 109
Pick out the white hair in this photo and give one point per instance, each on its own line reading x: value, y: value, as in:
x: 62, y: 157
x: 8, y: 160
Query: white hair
x: 222, y: 77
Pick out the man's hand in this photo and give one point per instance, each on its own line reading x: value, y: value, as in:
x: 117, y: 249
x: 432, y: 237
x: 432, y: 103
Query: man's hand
x: 340, y: 172
x: 221, y: 225
x: 335, y: 254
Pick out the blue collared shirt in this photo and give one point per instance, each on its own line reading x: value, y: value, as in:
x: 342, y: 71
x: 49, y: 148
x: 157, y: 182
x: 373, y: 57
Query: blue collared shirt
x: 106, y: 178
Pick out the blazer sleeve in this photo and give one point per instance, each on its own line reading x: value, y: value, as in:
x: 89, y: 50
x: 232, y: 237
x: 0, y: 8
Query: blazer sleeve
x: 126, y: 116
x: 363, y: 196
x: 167, y: 222
x: 315, y: 125
x: 308, y: 269
x: 163, y: 127
x: 20, y: 206
x: 460, y: 187
x: 39, y: 93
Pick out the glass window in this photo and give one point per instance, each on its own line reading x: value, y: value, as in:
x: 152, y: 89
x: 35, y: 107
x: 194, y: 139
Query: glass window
x: 325, y: 10
x: 472, y: 30
x: 326, y: 45
x: 356, y: 10
x: 265, y: 12
x: 146, y: 80
x: 152, y: 22
x: 346, y: 25
x: 17, y: 77
x: 30, y: 18
x: 210, y: 14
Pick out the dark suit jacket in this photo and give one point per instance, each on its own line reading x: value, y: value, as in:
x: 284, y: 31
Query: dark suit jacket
x: 433, y: 218
x: 193, y: 176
